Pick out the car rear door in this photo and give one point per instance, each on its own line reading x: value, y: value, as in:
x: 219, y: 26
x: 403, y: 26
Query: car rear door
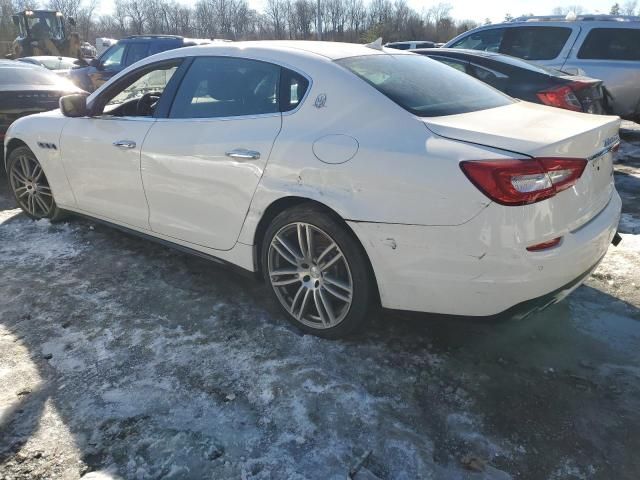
x: 202, y: 164
x: 611, y: 54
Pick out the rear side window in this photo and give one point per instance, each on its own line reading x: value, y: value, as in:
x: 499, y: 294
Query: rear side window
x: 227, y: 87
x: 425, y: 45
x: 534, y: 43
x: 293, y: 86
x: 423, y: 86
x: 611, y: 44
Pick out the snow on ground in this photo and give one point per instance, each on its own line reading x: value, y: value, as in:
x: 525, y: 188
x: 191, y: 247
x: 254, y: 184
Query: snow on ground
x: 121, y: 359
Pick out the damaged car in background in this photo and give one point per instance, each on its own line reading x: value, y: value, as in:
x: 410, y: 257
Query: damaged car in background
x: 347, y: 176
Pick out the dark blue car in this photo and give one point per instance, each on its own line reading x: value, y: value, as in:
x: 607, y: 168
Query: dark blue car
x: 122, y: 54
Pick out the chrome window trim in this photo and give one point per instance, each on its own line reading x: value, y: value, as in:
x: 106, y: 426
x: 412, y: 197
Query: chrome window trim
x: 260, y: 115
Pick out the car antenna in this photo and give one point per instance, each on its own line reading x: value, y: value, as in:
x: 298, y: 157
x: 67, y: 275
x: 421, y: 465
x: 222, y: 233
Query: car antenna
x: 376, y: 44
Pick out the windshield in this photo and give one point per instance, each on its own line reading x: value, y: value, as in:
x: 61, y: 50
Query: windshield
x: 45, y: 25
x: 423, y: 86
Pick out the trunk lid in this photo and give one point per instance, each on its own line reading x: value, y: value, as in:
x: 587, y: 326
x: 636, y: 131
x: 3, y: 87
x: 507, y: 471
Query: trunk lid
x: 540, y: 131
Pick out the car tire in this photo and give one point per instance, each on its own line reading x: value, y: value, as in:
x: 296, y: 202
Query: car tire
x: 30, y: 186
x: 318, y: 272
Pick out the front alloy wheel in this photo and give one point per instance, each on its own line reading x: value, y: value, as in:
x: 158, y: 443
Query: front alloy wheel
x: 317, y: 272
x: 30, y: 186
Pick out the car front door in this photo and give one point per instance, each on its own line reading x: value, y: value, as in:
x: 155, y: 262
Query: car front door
x: 202, y: 164
x: 101, y: 153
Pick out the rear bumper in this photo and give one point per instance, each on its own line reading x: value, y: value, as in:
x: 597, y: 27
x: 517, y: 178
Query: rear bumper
x: 471, y: 270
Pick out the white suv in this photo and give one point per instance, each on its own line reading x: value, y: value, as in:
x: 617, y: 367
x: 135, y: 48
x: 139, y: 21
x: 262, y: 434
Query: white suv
x: 601, y: 46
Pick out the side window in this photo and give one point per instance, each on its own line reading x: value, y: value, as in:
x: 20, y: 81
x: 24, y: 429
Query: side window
x: 611, y: 44
x: 425, y: 45
x: 534, y: 43
x: 293, y: 86
x: 227, y: 87
x: 487, y: 40
x: 112, y: 59
x: 494, y: 78
x: 137, y: 51
x: 139, y: 92
x: 458, y: 65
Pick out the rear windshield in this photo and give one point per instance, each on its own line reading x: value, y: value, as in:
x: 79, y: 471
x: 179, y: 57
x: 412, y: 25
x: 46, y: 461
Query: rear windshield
x: 423, y: 86
x: 611, y: 44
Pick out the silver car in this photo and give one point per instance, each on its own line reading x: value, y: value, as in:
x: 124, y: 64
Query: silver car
x: 606, y: 47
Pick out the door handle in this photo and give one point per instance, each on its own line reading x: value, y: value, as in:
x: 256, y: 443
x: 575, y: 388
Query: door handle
x: 243, y: 154
x: 124, y: 144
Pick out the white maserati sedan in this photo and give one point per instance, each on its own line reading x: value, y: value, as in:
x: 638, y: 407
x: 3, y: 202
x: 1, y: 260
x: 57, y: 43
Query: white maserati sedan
x: 349, y: 176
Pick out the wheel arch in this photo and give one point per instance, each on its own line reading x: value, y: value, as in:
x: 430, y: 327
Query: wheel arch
x: 285, y: 203
x: 11, y: 146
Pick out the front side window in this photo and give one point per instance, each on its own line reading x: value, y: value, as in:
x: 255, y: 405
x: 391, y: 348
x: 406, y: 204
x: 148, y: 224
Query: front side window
x: 486, y: 40
x: 137, y: 51
x: 138, y: 93
x: 534, y: 43
x: 611, y: 44
x: 112, y: 59
x: 424, y: 87
x: 217, y: 87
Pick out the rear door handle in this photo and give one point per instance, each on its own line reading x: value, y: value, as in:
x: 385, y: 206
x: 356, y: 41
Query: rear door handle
x: 124, y: 144
x: 243, y: 154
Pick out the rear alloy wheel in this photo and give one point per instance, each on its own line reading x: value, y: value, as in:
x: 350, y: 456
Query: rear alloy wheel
x: 30, y: 186
x: 317, y: 272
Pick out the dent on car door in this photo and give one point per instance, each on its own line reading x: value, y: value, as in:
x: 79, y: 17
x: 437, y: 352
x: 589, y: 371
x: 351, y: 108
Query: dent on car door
x: 202, y: 164
x: 101, y: 153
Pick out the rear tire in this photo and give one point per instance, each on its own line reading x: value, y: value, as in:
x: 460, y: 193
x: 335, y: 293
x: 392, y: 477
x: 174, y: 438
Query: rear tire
x: 318, y: 272
x: 30, y: 187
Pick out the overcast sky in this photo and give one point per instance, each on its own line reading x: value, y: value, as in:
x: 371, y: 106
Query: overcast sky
x: 467, y: 9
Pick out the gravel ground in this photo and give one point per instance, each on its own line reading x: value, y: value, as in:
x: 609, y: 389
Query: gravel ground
x: 122, y: 359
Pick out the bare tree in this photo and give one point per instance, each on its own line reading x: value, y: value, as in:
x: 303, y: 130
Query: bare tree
x: 629, y: 7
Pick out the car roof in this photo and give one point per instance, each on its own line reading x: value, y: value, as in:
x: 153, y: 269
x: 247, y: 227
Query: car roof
x: 330, y: 50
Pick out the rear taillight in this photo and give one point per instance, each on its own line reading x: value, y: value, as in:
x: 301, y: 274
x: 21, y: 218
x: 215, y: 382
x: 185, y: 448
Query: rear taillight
x: 564, y: 96
x: 521, y: 182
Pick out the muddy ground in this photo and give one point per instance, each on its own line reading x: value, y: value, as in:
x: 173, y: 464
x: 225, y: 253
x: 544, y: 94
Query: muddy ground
x: 122, y: 359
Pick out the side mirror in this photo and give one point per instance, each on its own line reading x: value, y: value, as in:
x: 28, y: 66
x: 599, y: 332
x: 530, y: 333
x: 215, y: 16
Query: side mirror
x: 72, y: 21
x: 81, y: 62
x: 96, y: 63
x: 74, y: 105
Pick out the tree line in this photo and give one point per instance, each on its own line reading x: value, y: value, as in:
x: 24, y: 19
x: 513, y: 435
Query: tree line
x: 340, y: 20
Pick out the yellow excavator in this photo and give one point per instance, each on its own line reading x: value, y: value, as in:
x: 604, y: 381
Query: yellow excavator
x: 43, y: 32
